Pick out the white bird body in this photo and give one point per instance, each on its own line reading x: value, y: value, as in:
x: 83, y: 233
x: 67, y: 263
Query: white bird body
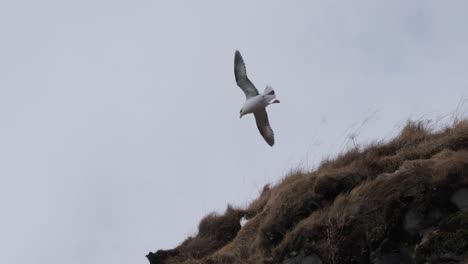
x: 255, y: 103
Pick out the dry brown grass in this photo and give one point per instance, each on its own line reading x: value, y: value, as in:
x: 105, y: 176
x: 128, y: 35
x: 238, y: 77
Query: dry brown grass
x: 352, y: 209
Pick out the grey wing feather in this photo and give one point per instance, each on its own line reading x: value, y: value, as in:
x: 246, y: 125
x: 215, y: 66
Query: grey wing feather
x: 241, y: 77
x: 264, y: 127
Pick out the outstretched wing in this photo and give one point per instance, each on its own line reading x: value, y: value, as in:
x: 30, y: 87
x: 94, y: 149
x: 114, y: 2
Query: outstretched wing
x: 264, y: 127
x: 241, y: 77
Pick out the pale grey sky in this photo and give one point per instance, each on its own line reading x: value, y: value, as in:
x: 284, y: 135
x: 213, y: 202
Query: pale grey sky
x: 119, y: 125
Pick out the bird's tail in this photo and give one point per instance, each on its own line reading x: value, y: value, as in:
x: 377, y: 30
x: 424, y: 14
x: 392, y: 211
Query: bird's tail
x: 270, y: 95
x: 269, y: 91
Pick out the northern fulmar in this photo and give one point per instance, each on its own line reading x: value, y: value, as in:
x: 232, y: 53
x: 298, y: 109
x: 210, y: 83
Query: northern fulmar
x: 255, y: 103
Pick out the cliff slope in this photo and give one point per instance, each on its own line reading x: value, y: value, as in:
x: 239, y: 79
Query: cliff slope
x: 402, y: 201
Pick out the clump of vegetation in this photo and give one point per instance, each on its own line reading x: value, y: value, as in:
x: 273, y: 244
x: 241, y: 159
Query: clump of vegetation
x: 387, y: 202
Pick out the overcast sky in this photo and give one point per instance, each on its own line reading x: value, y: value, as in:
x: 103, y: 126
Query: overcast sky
x: 119, y: 120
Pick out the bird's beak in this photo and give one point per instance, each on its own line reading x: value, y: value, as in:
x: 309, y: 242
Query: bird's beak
x: 240, y: 116
x: 276, y: 101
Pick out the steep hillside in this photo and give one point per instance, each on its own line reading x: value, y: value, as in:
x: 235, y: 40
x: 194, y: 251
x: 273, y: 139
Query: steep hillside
x: 403, y: 201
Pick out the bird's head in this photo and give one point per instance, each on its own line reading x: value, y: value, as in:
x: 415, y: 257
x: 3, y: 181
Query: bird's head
x: 241, y: 113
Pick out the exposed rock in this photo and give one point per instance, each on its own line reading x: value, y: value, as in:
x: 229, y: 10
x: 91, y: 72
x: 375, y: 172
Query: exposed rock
x: 460, y: 198
x: 302, y: 259
x: 449, y: 243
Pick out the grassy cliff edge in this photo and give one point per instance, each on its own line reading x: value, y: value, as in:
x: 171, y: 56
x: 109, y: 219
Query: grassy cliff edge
x: 402, y: 201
